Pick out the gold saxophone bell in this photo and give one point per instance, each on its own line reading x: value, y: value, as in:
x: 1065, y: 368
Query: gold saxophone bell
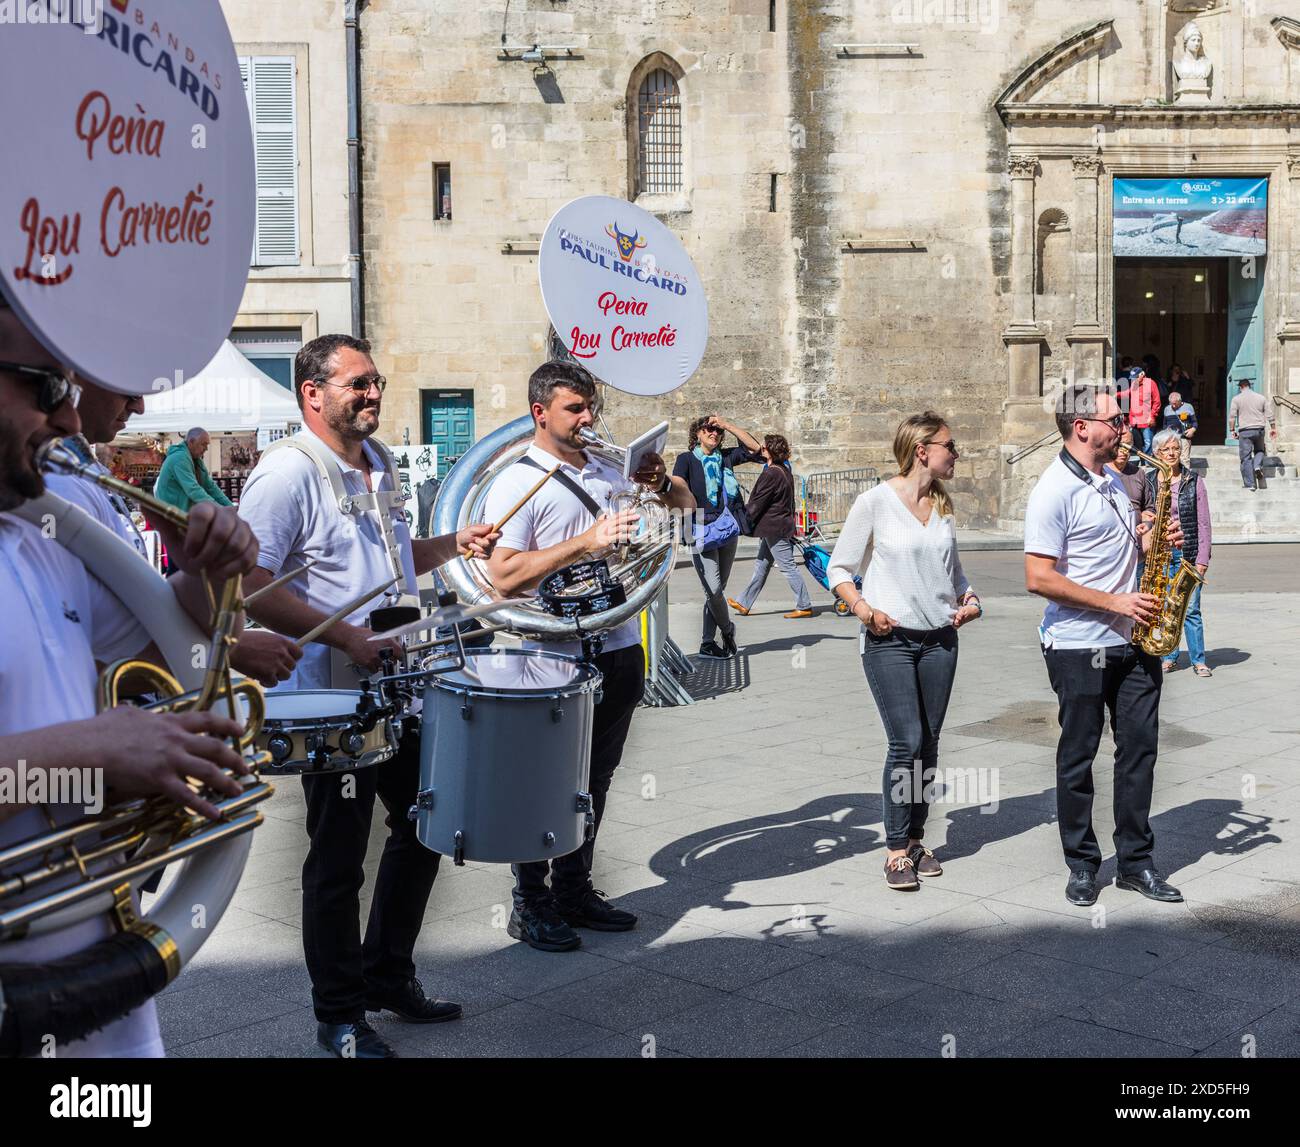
x: 1172, y: 589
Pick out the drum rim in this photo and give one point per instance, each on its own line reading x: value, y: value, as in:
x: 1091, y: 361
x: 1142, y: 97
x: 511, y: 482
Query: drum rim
x: 575, y: 689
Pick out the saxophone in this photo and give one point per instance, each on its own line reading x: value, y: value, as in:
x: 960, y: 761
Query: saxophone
x: 1172, y: 588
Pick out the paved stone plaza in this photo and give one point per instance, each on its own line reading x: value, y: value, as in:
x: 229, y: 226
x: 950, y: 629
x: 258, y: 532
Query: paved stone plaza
x: 745, y: 831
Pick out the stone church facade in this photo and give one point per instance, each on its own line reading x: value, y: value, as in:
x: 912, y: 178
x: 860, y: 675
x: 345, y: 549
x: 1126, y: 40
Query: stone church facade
x: 893, y: 204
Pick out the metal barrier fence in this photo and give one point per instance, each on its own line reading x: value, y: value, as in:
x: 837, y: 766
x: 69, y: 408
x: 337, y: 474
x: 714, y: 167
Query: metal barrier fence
x: 825, y: 498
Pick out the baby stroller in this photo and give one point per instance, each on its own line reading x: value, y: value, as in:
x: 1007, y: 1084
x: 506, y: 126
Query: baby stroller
x: 818, y: 559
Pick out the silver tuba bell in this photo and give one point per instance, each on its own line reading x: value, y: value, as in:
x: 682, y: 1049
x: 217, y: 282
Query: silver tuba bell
x: 642, y: 567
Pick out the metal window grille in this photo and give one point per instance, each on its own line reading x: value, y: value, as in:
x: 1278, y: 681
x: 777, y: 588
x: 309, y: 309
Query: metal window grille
x: 659, y: 134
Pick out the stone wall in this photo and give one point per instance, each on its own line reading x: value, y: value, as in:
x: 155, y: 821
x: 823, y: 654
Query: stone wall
x: 882, y: 284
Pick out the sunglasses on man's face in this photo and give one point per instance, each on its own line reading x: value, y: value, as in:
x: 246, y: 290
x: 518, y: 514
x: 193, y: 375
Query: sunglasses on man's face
x: 359, y: 386
x: 1116, y: 421
x: 55, y: 386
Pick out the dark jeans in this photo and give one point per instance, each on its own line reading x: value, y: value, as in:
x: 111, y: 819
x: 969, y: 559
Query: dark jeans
x: 624, y: 682
x: 1128, y: 688
x: 1250, y: 452
x: 343, y: 968
x: 713, y: 569
x: 910, y: 673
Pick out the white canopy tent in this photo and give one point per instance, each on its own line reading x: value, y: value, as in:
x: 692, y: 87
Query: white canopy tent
x: 229, y: 395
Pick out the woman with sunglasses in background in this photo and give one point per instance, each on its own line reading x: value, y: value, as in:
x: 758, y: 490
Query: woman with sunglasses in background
x: 914, y: 598
x: 719, y: 521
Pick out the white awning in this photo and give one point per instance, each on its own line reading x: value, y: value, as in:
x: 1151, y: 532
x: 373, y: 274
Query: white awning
x: 228, y: 395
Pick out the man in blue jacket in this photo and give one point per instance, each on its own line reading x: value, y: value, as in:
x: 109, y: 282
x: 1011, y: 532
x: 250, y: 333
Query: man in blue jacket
x: 184, y: 479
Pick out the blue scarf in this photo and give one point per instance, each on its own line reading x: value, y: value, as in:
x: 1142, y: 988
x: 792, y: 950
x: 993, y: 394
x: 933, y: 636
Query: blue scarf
x: 716, y: 474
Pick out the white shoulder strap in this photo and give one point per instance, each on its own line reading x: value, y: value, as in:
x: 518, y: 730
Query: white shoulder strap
x: 382, y: 501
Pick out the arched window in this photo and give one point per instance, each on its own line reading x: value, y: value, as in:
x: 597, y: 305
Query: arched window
x: 658, y: 134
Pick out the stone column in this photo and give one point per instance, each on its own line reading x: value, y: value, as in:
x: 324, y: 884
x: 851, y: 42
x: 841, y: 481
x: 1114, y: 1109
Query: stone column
x: 1087, y: 338
x: 1023, y: 337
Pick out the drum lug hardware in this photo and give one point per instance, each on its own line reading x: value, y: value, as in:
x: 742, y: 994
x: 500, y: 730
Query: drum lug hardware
x: 424, y: 799
x: 589, y: 828
x: 584, y: 802
x: 466, y: 709
x: 548, y: 840
x: 557, y: 714
x: 458, y: 856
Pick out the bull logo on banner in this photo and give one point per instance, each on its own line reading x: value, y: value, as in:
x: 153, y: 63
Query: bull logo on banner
x: 628, y: 245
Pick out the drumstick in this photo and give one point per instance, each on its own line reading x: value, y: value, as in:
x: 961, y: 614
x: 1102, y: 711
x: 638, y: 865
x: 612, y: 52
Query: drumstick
x: 252, y: 597
x: 519, y: 505
x: 340, y: 614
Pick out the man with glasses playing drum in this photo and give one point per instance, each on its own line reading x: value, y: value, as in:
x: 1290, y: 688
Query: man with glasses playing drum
x: 331, y: 495
x: 567, y: 519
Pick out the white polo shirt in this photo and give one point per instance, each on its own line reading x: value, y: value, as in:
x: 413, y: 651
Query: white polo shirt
x: 1089, y: 527
x: 58, y: 621
x: 294, y: 516
x: 109, y: 510
x: 555, y: 514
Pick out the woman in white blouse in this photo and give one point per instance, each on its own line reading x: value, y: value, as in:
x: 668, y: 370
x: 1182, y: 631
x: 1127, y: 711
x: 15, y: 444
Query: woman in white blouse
x: 914, y: 599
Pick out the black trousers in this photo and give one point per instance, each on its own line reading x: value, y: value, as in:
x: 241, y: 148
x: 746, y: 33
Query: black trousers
x: 1124, y: 682
x: 340, y: 809
x: 624, y: 674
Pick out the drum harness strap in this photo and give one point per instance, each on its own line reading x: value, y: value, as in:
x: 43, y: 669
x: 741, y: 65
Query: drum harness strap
x: 606, y: 592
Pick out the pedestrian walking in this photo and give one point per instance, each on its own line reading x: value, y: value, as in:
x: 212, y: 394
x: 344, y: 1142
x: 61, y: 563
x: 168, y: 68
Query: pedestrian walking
x: 184, y: 480
x: 1142, y: 401
x: 914, y: 598
x: 708, y: 470
x: 1248, y: 417
x: 771, y: 516
x: 1180, y: 417
x: 1189, y: 494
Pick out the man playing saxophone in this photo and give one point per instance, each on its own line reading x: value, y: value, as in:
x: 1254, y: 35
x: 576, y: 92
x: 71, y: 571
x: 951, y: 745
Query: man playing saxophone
x: 1082, y: 542
x: 58, y: 622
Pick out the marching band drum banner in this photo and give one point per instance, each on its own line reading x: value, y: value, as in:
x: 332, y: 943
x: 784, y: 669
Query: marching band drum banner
x: 623, y: 295
x: 127, y: 204
x: 1191, y: 217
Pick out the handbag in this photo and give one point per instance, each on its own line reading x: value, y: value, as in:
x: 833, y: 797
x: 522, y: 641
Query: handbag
x: 718, y: 532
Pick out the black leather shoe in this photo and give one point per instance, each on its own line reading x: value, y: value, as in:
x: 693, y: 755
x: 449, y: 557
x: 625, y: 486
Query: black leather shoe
x: 1081, y: 888
x: 593, y: 910
x: 1151, y: 884
x: 353, y: 1041
x: 410, y: 1004
x: 540, y: 926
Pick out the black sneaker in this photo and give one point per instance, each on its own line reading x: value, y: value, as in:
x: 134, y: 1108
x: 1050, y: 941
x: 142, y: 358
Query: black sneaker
x: 729, y: 643
x: 593, y: 910
x: 540, y: 926
x: 713, y: 651
x: 410, y: 1004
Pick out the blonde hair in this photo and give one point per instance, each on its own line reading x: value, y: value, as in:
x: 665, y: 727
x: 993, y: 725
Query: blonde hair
x: 919, y: 430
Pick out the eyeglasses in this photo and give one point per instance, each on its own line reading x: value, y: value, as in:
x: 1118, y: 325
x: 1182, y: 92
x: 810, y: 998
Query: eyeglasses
x: 56, y: 387
x: 1117, y: 420
x: 950, y: 445
x: 359, y: 385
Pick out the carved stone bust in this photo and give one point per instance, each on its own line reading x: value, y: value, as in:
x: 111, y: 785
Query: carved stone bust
x: 1193, y: 71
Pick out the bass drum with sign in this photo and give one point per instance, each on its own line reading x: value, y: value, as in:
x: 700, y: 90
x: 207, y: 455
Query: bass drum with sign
x: 505, y: 751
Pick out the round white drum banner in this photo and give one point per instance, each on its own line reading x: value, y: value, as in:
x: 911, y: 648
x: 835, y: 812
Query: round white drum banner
x: 623, y: 295
x: 128, y: 200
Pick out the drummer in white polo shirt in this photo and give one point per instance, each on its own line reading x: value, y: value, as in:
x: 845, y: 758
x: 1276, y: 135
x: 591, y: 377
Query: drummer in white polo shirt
x: 330, y: 494
x: 1082, y: 541
x: 562, y: 523
x: 58, y: 622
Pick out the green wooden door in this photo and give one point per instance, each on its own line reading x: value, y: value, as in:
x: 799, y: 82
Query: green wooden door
x: 1245, y: 327
x: 448, y: 420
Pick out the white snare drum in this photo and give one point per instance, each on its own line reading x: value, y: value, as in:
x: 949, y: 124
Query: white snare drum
x: 505, y: 756
x: 325, y: 731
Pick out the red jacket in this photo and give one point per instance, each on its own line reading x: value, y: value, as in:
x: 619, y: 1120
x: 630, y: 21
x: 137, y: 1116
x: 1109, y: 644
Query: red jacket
x: 1143, y: 403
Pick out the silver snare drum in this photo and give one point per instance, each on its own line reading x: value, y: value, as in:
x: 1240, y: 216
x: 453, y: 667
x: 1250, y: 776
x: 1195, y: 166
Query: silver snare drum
x: 324, y: 731
x: 505, y: 756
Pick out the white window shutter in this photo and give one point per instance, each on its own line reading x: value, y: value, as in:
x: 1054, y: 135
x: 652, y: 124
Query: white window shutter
x: 269, y: 86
